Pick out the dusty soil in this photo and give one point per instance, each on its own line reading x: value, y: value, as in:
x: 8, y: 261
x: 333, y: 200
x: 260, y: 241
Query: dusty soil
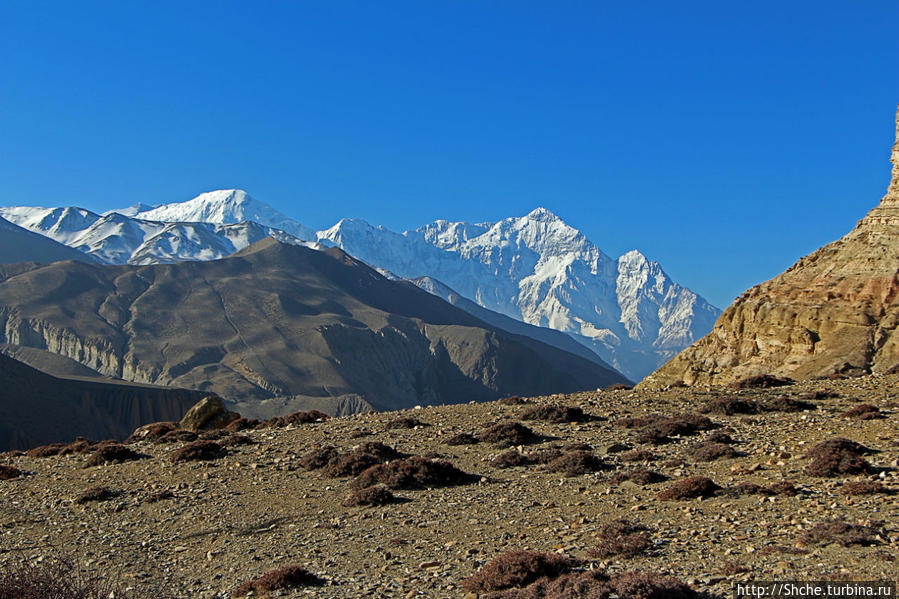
x: 256, y: 508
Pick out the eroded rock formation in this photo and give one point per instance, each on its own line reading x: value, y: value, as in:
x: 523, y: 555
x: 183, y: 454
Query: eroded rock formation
x: 834, y: 310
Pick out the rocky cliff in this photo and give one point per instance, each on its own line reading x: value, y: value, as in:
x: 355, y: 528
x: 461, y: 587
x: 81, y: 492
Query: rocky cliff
x: 834, y: 310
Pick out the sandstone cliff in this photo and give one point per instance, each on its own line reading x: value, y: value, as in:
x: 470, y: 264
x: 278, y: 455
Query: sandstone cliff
x: 834, y: 310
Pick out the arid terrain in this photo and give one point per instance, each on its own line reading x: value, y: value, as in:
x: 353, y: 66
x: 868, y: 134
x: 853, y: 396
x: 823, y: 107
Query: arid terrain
x: 201, y: 528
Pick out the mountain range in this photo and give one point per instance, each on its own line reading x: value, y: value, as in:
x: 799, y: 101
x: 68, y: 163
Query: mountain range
x: 535, y: 269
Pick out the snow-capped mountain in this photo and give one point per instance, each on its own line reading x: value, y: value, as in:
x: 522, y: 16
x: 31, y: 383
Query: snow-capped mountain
x: 222, y: 207
x: 534, y: 268
x: 117, y: 239
x: 540, y: 270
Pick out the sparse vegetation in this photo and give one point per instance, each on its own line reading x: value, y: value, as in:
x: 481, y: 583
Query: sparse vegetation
x: 8, y: 472
x: 508, y: 434
x: 414, y: 472
x: 576, y: 463
x: 842, y: 533
x: 729, y: 406
x: 621, y: 538
x: 461, y: 439
x: 639, y: 476
x: 708, y: 451
x: 762, y: 381
x: 61, y: 578
x: 373, y: 496
x: 274, y: 580
x: 784, y: 403
x: 405, y: 422
x: 690, y: 488
x: 864, y: 487
x: 294, y: 419
x: 836, y: 457
x: 511, y: 459
x: 197, y: 450
x: 361, y: 458
x: 98, y: 493
x: 637, y: 455
x: 517, y: 569
x: 319, y: 457
x: 863, y: 411
x: 554, y: 414
x: 113, y: 454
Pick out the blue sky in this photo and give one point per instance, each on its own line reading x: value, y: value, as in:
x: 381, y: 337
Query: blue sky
x: 724, y: 139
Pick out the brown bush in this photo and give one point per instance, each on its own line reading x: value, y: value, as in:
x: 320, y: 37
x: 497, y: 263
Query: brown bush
x: 360, y: 459
x: 197, y: 450
x: 689, y: 488
x: 512, y: 400
x: 414, y: 472
x: 575, y: 463
x: 657, y: 429
x: 619, y: 387
x: 639, y: 476
x: 159, y: 496
x: 405, y: 422
x: 554, y: 414
x: 864, y: 487
x: 9, y: 472
x: 762, y: 381
x: 295, y: 418
x: 837, y: 456
x: 242, y: 424
x: 462, y: 439
x: 863, y: 411
x: 45, y: 451
x: 783, y: 488
x: 621, y: 538
x: 787, y: 404
x: 517, y: 569
x: 178, y: 436
x: 280, y: 578
x: 649, y: 585
x: 708, y: 451
x: 374, y: 496
x: 508, y: 434
x: 720, y: 437
x: 319, y: 457
x: 842, y: 533
x: 637, y: 455
x: 728, y: 406
x: 511, y: 459
x: 733, y: 568
x: 233, y: 440
x: 60, y: 578
x: 96, y: 494
x: 151, y: 431
x: 115, y: 453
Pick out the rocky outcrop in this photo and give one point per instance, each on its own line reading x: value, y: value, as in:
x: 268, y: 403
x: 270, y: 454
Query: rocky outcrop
x: 834, y: 310
x: 208, y: 414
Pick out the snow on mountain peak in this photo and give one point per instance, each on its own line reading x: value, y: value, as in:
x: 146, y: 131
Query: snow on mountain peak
x: 542, y: 214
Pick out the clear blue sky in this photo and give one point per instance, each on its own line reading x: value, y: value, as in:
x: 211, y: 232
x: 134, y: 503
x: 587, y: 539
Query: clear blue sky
x: 724, y: 139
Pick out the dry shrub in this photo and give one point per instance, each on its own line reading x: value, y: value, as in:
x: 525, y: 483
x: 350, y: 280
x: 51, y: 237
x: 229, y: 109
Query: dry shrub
x: 864, y: 487
x: 512, y: 400
x: 96, y: 494
x: 319, y: 457
x: 577, y: 446
x: 784, y: 549
x: 60, y: 578
x: 113, y: 454
x: 197, y: 450
x: 45, y: 451
x: 360, y: 459
x: 637, y: 455
x: 414, y: 472
x: 280, y: 578
x: 709, y: 451
x: 575, y: 463
x: 783, y: 488
x: 762, y: 381
x: 159, y: 496
x: 151, y: 431
x: 837, y: 456
x: 595, y: 584
x: 9, y: 472
x: 508, y: 434
x: 720, y: 437
x: 517, y: 569
x: 462, y: 439
x: 689, y: 488
x: 842, y: 533
x: 657, y: 429
x: 554, y: 414
x: 619, y: 387
x: 863, y: 411
x: 617, y: 448
x: 178, y: 436
x: 621, y: 538
x: 374, y: 496
x: 639, y: 476
x: 650, y: 585
x: 405, y: 422
x: 783, y: 403
x: 815, y: 395
x: 733, y: 568
x: 295, y: 418
x: 728, y: 406
x: 511, y: 459
x: 233, y: 440
x: 242, y: 424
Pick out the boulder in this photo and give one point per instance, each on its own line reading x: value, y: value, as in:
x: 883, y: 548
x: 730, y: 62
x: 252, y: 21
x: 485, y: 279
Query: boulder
x: 208, y: 414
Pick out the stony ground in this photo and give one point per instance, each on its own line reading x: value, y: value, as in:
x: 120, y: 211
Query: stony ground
x: 255, y: 508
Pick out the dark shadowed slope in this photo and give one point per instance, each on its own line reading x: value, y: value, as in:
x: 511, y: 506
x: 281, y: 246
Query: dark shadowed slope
x: 36, y: 408
x: 279, y: 324
x: 20, y: 245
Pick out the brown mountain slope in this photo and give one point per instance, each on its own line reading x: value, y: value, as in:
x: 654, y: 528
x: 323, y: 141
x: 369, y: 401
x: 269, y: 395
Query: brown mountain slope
x: 21, y: 245
x: 276, y: 328
x: 837, y: 307
x: 36, y: 408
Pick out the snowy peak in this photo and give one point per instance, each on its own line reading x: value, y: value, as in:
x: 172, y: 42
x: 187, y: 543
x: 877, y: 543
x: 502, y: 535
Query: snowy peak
x: 542, y: 214
x: 225, y: 207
